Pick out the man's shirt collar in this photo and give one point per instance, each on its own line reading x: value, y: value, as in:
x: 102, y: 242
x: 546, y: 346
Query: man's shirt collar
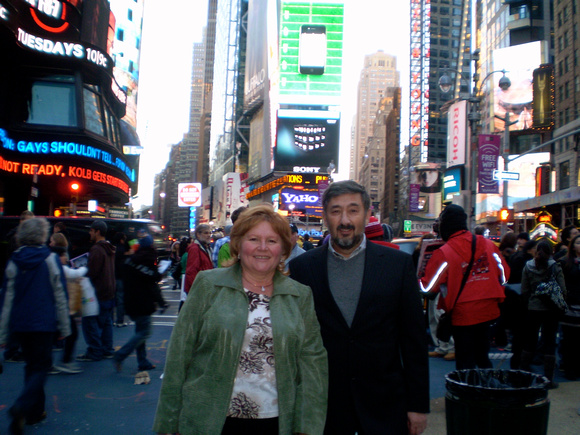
x: 360, y: 248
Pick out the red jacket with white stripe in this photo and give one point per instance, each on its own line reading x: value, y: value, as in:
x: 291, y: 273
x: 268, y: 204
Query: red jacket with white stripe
x: 483, y: 290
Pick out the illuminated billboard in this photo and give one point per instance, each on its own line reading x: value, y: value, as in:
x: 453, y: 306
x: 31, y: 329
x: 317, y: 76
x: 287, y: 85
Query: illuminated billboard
x: 306, y: 140
x: 63, y: 159
x: 304, y: 201
x: 519, y: 62
x: 311, y: 45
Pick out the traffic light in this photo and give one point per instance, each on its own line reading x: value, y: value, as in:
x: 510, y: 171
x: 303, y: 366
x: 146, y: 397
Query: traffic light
x: 506, y: 214
x: 75, y: 188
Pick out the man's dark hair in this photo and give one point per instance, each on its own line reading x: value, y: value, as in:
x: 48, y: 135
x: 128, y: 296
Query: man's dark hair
x: 236, y: 214
x: 306, y: 237
x: 565, y: 234
x: 339, y: 188
x: 524, y: 236
x: 60, y: 226
x: 479, y: 230
x: 100, y: 226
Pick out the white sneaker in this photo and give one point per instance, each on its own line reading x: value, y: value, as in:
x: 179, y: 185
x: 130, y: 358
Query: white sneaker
x: 70, y: 367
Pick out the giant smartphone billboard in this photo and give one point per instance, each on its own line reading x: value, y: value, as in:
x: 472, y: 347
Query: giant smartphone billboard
x: 311, y: 52
x: 306, y: 140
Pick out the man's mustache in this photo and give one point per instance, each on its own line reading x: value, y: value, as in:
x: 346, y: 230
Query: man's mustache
x: 345, y: 227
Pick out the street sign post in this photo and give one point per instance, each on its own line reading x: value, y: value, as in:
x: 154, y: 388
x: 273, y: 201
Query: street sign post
x: 189, y: 194
x: 503, y: 175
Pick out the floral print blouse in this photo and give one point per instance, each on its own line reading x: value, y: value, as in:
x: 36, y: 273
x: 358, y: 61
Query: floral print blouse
x: 255, y: 394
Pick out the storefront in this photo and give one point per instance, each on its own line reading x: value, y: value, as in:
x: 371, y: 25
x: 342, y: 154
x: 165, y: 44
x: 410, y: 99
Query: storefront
x: 61, y: 109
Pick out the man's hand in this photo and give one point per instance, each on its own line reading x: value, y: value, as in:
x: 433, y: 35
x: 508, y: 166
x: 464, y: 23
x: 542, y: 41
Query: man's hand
x: 416, y: 423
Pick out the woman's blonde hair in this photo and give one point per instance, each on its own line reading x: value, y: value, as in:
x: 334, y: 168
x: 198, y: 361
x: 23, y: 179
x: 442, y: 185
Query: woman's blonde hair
x: 255, y: 216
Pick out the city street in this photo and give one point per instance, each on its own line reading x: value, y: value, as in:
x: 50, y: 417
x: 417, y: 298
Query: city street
x: 102, y: 401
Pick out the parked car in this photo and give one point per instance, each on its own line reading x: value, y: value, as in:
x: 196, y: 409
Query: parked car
x: 407, y: 245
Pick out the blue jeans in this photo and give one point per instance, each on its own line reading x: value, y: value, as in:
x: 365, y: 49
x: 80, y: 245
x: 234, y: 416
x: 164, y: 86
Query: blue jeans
x: 37, y: 351
x: 98, y: 331
x: 137, y: 343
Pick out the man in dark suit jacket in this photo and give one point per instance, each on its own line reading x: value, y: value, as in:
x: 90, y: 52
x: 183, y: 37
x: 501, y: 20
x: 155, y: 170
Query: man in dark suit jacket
x: 369, y: 307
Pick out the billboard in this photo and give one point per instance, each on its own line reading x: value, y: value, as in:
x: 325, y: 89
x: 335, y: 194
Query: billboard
x: 310, y: 44
x: 256, y: 77
x: 306, y: 140
x: 456, y: 134
x: 419, y: 77
x: 305, y: 201
x: 543, y: 103
x: 519, y: 62
x: 54, y: 157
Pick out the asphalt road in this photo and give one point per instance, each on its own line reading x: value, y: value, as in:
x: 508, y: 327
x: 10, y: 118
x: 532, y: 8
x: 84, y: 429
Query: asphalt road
x: 102, y: 401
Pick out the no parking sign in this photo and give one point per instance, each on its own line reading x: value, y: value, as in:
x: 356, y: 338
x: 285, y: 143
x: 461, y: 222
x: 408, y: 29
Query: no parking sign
x: 189, y: 194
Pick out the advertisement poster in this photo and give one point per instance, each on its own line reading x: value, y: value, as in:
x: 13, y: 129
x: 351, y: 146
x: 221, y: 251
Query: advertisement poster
x: 414, y: 198
x: 489, y: 146
x: 306, y: 140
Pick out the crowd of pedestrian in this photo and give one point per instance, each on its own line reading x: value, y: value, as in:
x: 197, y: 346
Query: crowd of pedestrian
x: 44, y: 297
x: 277, y: 336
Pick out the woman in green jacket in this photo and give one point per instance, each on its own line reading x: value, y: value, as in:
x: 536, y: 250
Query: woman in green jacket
x: 246, y: 355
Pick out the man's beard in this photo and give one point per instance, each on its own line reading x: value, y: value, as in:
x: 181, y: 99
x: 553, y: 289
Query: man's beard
x: 347, y: 243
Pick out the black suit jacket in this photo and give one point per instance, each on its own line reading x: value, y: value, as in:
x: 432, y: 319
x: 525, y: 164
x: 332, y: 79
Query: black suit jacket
x: 378, y: 367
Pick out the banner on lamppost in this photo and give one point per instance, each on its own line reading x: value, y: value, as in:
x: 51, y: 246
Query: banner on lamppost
x: 489, y: 146
x: 414, y: 191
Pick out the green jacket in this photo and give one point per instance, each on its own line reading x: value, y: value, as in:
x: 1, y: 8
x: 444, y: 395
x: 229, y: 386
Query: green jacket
x: 204, y: 353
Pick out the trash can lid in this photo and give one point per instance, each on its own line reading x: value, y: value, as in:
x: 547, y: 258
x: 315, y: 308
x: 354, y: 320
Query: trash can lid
x: 509, y: 386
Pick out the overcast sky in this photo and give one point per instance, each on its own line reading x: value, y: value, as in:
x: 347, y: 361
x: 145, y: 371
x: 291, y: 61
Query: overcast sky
x: 165, y: 72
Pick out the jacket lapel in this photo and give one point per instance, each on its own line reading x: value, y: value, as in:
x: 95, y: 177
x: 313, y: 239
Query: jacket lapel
x: 373, y: 278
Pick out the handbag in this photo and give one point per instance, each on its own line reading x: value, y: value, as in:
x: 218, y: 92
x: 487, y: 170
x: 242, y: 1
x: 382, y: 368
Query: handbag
x: 550, y: 293
x: 90, y: 305
x: 445, y: 326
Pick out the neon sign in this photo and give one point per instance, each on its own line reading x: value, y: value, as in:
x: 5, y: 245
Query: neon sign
x: 50, y: 8
x: 65, y: 49
x: 67, y: 148
x: 62, y: 171
x: 419, y: 71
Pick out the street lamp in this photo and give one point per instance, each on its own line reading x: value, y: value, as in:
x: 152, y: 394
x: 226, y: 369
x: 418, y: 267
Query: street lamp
x: 445, y: 84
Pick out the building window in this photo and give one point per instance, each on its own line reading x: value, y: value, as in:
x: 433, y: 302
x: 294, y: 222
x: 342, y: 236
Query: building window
x: 93, y: 112
x: 52, y: 102
x: 130, y: 15
x: 120, y: 35
x: 564, y: 175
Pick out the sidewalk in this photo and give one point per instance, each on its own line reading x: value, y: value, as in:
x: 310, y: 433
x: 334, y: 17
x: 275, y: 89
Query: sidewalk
x: 563, y: 420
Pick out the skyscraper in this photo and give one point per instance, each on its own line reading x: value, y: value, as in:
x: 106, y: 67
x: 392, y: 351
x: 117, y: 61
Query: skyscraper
x: 379, y: 73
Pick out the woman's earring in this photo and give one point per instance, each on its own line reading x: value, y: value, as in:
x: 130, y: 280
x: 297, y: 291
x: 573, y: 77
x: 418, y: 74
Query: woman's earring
x: 238, y: 256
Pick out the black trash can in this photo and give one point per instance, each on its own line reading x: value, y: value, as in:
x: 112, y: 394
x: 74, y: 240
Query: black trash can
x: 496, y: 402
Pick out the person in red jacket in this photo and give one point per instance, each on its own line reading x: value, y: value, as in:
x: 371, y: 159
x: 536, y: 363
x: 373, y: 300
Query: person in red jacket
x: 198, y: 255
x: 477, y: 306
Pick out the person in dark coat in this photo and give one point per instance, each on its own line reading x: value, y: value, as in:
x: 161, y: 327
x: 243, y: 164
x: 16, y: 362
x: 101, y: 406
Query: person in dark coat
x: 368, y: 304
x: 98, y: 330
x: 141, y: 294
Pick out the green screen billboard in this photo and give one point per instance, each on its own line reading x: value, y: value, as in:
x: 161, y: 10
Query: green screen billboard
x: 311, y: 46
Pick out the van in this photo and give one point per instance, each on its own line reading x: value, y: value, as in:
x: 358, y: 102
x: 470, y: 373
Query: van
x: 77, y: 229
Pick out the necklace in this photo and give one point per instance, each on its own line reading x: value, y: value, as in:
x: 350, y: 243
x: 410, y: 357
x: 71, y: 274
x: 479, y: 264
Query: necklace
x: 259, y: 286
